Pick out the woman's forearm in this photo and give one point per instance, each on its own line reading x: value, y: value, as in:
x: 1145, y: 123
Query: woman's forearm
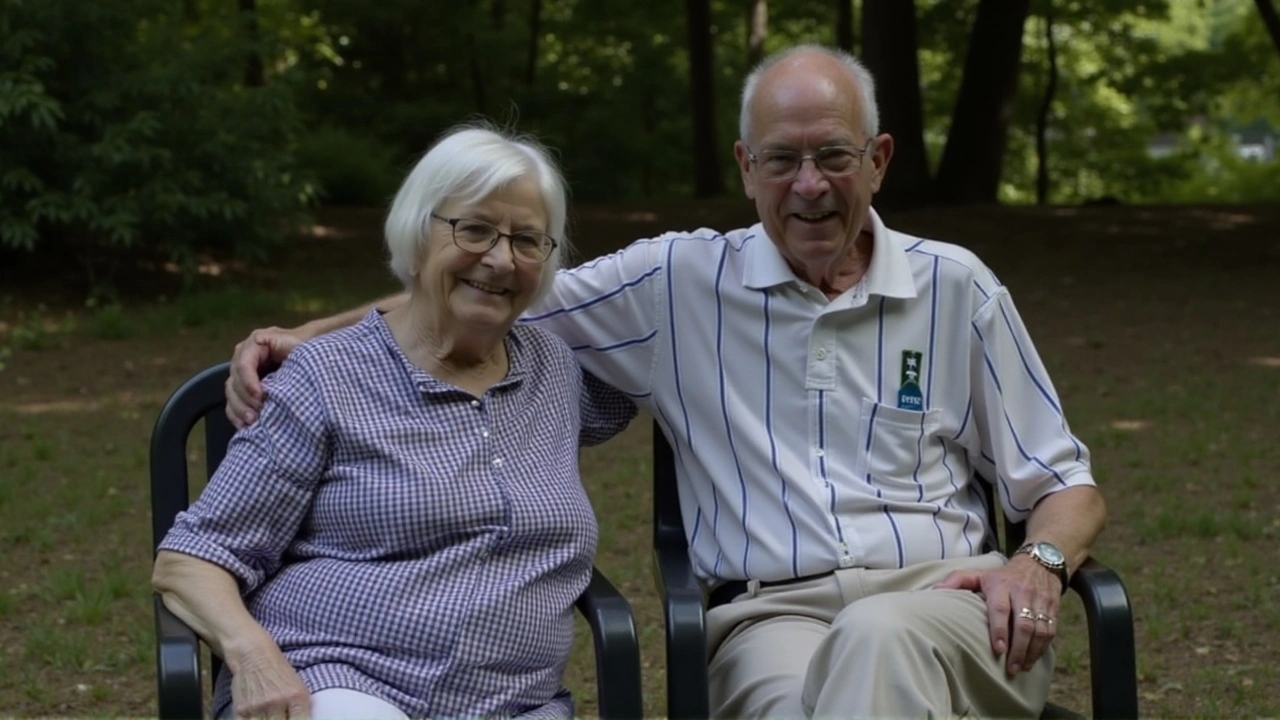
x: 207, y: 598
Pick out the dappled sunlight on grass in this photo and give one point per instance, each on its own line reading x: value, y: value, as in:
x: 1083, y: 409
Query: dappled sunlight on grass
x: 124, y: 401
x: 1226, y: 219
x: 328, y: 232
x: 310, y: 305
x: 1160, y: 353
x: 40, y: 329
x: 208, y: 268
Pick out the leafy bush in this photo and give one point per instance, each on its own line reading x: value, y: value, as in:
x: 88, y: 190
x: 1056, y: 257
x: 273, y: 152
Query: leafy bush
x: 126, y: 129
x: 349, y: 169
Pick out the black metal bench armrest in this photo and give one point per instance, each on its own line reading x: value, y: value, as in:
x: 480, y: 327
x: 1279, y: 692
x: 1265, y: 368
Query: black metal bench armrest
x: 177, y: 666
x: 617, y: 649
x: 1112, y: 656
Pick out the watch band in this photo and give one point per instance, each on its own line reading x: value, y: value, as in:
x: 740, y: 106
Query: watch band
x: 1058, y: 569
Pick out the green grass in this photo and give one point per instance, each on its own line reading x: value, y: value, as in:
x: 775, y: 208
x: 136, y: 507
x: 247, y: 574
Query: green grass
x: 1153, y: 368
x: 49, y: 644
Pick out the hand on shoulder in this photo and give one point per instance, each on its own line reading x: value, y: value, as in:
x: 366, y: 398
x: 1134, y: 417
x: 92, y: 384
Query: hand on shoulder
x: 263, y: 351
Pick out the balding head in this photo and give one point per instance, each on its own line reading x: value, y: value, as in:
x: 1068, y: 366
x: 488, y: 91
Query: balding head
x: 808, y: 65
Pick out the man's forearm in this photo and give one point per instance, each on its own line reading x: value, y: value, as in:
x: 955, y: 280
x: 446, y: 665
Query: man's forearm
x: 1071, y: 519
x: 349, y: 317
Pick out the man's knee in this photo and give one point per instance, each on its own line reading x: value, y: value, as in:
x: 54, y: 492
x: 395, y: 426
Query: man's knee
x: 882, y: 657
x: 885, y: 619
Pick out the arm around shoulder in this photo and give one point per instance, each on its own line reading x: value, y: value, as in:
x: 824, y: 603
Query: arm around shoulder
x: 266, y: 348
x: 347, y: 318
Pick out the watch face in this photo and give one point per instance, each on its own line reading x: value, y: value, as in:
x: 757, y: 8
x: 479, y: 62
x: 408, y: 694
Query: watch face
x: 1050, y: 554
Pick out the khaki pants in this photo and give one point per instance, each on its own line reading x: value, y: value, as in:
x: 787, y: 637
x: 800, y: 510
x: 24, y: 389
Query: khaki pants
x: 866, y: 643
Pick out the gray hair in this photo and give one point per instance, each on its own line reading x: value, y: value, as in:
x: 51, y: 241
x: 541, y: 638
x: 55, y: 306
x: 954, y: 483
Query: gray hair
x: 467, y: 164
x: 861, y: 76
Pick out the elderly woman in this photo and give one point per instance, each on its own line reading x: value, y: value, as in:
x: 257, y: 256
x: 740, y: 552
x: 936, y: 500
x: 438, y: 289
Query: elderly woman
x: 404, y: 532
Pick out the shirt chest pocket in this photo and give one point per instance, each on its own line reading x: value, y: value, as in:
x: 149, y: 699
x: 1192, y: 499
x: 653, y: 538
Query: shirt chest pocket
x: 899, y: 455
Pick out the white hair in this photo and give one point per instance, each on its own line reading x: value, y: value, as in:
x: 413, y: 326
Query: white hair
x: 466, y: 165
x: 861, y: 76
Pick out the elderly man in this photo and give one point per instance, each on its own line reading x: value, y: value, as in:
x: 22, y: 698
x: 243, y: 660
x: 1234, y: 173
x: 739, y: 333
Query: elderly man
x: 830, y: 387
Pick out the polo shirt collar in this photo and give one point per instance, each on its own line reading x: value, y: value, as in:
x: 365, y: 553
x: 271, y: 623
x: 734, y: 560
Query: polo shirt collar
x: 889, y: 273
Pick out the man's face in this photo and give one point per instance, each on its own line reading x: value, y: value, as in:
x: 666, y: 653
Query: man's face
x: 803, y: 105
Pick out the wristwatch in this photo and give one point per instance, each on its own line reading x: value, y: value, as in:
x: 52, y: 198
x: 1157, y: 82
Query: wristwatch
x: 1048, y: 555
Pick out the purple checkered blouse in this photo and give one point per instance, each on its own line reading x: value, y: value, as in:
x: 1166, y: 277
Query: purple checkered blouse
x: 399, y: 537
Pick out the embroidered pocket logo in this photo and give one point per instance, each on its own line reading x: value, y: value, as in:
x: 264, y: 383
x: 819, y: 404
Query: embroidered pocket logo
x: 909, y: 395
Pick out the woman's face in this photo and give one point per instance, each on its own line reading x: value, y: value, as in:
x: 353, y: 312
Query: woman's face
x: 489, y: 290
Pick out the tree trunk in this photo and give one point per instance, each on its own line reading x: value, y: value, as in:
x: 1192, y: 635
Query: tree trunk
x: 889, y: 48
x: 757, y: 30
x: 1046, y: 106
x: 1271, y: 20
x: 708, y: 179
x: 498, y: 14
x: 535, y: 29
x: 254, y: 75
x: 844, y: 24
x: 974, y: 155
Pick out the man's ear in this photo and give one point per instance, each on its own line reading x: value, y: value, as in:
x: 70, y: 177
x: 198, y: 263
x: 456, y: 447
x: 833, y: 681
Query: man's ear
x: 744, y: 167
x: 880, y: 158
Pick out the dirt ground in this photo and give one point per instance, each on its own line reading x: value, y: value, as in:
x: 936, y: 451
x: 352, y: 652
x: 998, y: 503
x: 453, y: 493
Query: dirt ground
x: 1160, y: 326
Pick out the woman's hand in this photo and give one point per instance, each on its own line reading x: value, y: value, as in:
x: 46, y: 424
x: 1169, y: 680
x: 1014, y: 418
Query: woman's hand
x: 265, y: 685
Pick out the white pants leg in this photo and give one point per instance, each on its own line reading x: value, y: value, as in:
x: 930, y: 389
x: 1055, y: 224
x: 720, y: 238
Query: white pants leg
x: 342, y: 704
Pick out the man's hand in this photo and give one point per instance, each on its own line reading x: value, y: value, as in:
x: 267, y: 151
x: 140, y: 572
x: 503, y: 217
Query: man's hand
x: 254, y: 357
x: 1022, y: 607
x: 265, y: 685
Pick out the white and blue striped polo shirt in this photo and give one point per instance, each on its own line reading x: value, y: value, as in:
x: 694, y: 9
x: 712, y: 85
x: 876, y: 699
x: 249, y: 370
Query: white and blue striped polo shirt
x: 812, y: 434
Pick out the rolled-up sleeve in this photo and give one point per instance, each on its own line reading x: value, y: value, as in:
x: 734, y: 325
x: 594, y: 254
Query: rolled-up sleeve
x: 1026, y: 443
x: 255, y: 503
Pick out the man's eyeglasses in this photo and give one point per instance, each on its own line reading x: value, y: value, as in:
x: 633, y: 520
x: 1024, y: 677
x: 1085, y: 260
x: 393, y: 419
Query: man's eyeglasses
x: 476, y: 236
x: 832, y: 161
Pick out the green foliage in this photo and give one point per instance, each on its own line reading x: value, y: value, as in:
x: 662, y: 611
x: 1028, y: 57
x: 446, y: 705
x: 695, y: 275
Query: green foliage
x: 349, y: 168
x: 126, y: 129
x: 1214, y: 172
x: 1132, y: 73
x: 110, y: 322
x: 130, y: 127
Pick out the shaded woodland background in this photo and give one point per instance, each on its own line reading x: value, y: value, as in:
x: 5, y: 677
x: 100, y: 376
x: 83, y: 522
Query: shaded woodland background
x: 176, y: 173
x: 175, y: 128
